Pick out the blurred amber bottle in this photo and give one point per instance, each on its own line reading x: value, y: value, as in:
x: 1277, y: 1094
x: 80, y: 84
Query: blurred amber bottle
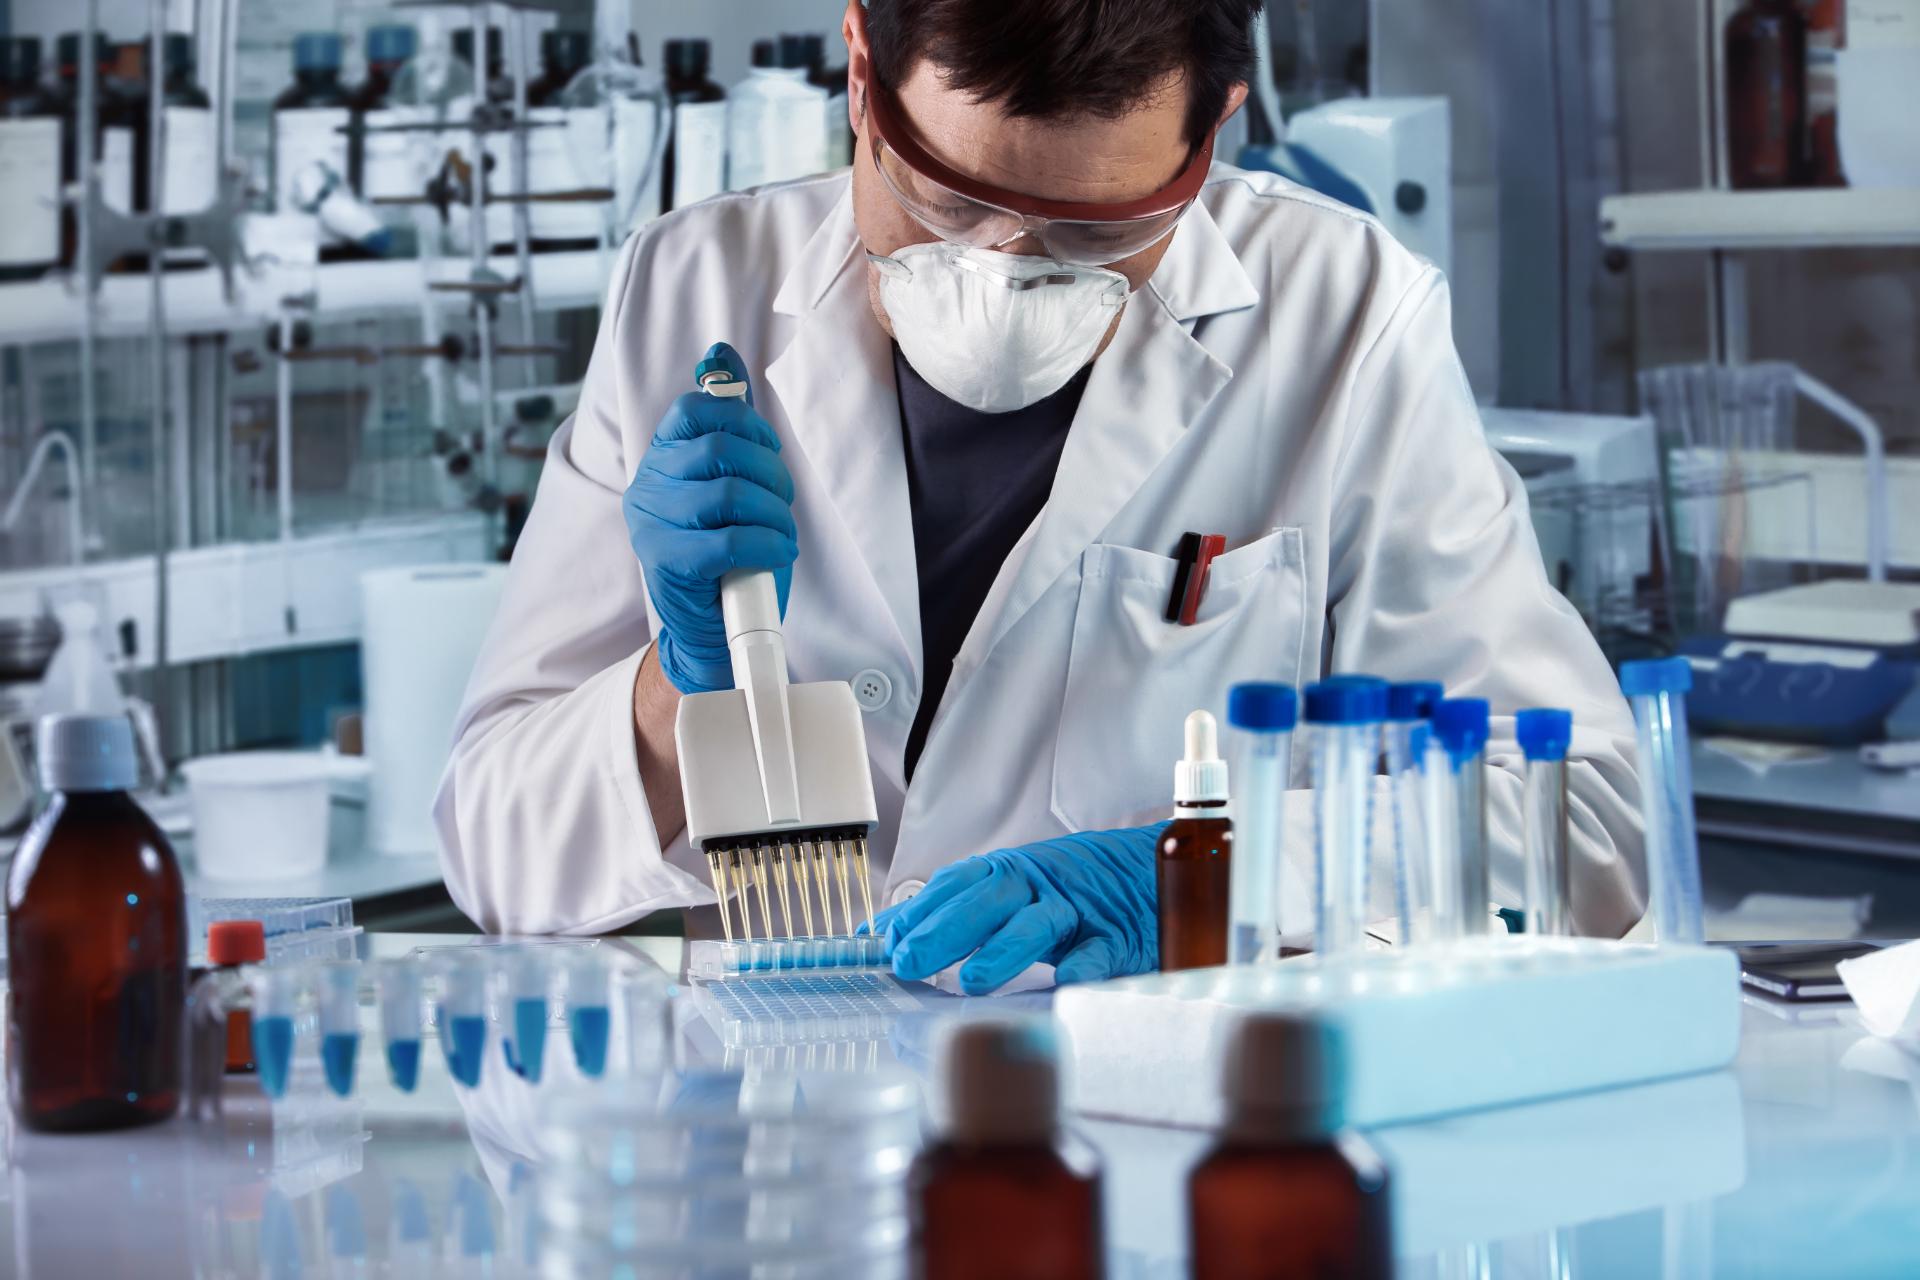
x: 1284, y: 1193
x: 1766, y: 68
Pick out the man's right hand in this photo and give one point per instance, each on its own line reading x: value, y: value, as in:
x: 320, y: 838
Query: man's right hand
x: 711, y: 495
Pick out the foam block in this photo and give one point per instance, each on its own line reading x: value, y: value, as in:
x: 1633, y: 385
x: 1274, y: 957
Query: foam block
x: 1425, y: 1032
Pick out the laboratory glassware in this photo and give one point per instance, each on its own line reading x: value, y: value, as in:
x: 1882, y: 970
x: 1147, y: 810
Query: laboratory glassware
x: 1544, y: 735
x: 695, y: 163
x: 1656, y: 689
x: 30, y: 155
x: 1456, y: 819
x: 218, y: 1023
x: 776, y: 123
x: 96, y: 942
x: 399, y: 994
x: 795, y: 1173
x: 276, y: 996
x: 310, y: 117
x: 1344, y: 715
x: 112, y: 138
x: 1002, y: 1157
x: 563, y: 221
x: 462, y: 1013
x: 1194, y: 864
x: 617, y: 121
x: 1262, y: 717
x: 1284, y: 1190
x: 1409, y: 708
x: 1766, y: 86
x: 338, y: 994
x: 529, y: 982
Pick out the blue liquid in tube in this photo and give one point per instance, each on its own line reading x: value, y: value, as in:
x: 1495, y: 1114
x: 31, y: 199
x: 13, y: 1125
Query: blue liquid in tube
x: 465, y: 1040
x: 273, y: 1052
x: 530, y: 1036
x: 403, y: 1064
x: 589, y: 1026
x: 338, y: 1049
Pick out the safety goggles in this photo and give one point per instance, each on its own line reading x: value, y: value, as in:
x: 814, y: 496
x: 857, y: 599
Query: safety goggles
x: 962, y: 211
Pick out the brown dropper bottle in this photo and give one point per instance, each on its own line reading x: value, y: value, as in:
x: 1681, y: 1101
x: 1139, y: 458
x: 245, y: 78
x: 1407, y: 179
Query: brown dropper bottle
x: 1005, y: 1191
x: 96, y: 942
x: 1194, y: 869
x: 1284, y: 1192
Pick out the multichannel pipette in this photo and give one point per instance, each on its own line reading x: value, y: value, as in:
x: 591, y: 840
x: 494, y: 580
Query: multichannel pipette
x: 775, y: 776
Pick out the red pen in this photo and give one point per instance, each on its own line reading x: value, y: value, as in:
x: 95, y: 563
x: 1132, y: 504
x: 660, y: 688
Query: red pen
x: 1195, y: 564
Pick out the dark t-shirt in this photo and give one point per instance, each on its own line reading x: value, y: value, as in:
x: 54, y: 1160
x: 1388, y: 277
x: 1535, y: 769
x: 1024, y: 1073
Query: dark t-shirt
x: 976, y: 481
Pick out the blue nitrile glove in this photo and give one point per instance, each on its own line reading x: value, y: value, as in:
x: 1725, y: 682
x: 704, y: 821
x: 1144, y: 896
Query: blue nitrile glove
x: 1084, y: 903
x: 711, y: 495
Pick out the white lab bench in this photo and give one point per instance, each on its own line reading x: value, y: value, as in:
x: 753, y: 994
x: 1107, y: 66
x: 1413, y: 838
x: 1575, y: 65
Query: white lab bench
x: 1801, y: 1160
x: 1826, y: 828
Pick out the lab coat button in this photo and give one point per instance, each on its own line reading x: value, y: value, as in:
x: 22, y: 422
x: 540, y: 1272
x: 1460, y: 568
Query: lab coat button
x: 872, y: 689
x: 906, y: 889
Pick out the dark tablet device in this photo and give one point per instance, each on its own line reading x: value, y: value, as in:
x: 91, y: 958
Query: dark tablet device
x: 1799, y: 971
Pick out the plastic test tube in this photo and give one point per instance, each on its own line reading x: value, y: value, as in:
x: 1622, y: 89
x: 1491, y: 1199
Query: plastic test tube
x: 339, y: 993
x: 400, y: 1021
x: 463, y: 1016
x: 276, y: 998
x: 589, y: 1012
x: 528, y: 977
x: 1657, y: 692
x: 1456, y: 819
x: 1262, y: 717
x: 1544, y: 735
x: 1345, y: 713
x: 1409, y: 707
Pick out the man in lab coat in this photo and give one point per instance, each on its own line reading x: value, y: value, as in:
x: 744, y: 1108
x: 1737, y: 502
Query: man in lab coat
x: 997, y: 372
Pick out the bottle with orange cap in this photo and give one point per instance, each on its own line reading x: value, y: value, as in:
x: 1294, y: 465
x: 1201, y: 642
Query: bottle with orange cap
x: 219, y: 1020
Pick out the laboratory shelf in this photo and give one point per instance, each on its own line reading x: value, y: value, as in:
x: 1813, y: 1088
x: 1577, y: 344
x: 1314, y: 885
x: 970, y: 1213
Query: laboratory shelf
x: 52, y: 307
x: 1821, y: 218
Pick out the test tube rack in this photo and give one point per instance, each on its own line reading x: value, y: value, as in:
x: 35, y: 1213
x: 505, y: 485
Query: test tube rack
x: 1425, y: 1031
x: 308, y: 1020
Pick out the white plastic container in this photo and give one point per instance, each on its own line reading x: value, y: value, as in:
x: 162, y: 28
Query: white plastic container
x: 260, y: 815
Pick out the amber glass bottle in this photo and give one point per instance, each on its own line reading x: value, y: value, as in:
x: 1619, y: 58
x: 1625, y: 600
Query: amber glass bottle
x: 1284, y: 1193
x: 96, y: 943
x: 1194, y: 869
x: 1767, y: 95
x: 1004, y: 1192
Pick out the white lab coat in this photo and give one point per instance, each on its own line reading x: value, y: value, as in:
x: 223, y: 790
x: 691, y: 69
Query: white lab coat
x: 1286, y: 378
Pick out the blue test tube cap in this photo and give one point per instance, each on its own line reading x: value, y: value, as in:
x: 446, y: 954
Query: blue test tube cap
x: 1655, y: 675
x: 1263, y: 708
x: 1544, y: 732
x: 317, y: 51
x: 1346, y: 700
x: 390, y: 44
x: 1461, y: 724
x: 1414, y: 701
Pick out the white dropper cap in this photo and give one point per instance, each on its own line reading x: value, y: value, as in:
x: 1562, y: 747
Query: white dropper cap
x: 1202, y: 776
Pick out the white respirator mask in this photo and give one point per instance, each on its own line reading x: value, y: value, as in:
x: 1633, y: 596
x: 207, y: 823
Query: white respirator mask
x: 995, y: 331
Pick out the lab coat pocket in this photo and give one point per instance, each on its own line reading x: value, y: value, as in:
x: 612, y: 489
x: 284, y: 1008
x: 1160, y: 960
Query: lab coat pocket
x: 1132, y: 676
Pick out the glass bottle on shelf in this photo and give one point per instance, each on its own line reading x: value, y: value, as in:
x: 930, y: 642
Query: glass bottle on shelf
x: 1766, y: 68
x: 560, y: 224
x: 310, y: 119
x: 426, y: 92
x: 29, y: 164
x: 113, y: 133
x: 694, y: 165
x: 385, y: 164
x: 617, y: 144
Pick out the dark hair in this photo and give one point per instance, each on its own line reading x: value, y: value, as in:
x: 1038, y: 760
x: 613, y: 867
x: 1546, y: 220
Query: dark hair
x: 1049, y: 58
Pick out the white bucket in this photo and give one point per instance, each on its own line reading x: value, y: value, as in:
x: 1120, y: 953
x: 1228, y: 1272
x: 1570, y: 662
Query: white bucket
x: 260, y: 815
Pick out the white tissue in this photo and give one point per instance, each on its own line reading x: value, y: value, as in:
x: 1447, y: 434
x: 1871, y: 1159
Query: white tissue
x: 1885, y: 986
